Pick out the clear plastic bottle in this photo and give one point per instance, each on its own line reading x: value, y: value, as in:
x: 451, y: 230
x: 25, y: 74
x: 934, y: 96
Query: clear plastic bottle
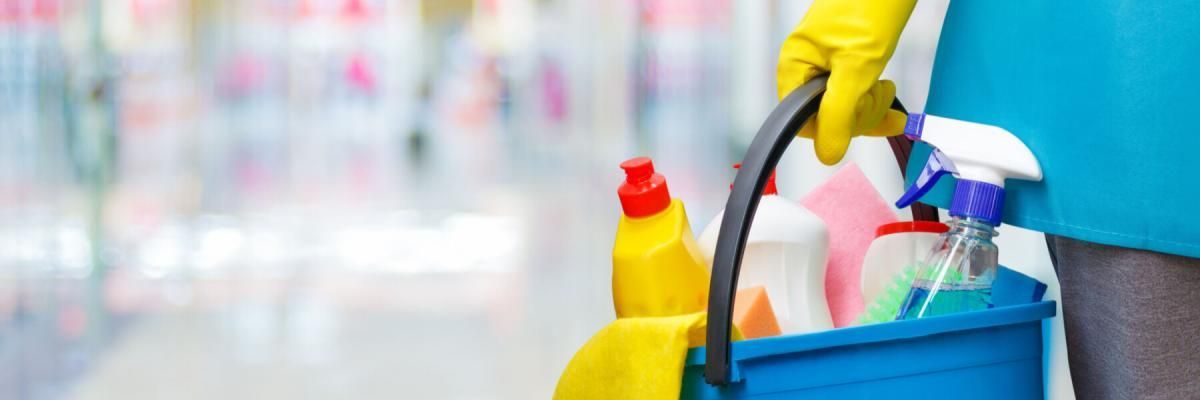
x: 957, y: 274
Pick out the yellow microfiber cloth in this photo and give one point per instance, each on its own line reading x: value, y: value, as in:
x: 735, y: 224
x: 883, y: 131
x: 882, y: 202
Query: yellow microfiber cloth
x: 634, y: 358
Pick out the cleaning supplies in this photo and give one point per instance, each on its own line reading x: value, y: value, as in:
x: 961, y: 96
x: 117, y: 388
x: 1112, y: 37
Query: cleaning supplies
x: 660, y: 291
x: 961, y: 267
x: 786, y: 254
x: 852, y: 209
x: 895, y: 247
x: 753, y: 314
x: 657, y: 267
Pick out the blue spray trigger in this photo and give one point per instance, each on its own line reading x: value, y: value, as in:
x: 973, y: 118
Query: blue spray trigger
x: 937, y: 166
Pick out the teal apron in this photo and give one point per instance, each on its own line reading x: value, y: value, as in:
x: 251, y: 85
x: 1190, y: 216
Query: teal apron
x: 1107, y: 95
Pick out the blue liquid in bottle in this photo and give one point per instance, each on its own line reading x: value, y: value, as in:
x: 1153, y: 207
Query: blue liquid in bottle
x: 957, y: 275
x: 952, y: 298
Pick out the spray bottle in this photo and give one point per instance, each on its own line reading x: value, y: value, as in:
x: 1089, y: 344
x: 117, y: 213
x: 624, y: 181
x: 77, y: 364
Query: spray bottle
x: 957, y: 274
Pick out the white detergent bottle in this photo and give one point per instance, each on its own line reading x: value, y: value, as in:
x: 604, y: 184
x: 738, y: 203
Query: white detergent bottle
x: 896, y: 246
x: 786, y: 253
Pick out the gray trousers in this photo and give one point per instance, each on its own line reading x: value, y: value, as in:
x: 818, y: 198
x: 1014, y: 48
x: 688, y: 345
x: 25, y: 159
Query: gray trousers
x: 1132, y: 320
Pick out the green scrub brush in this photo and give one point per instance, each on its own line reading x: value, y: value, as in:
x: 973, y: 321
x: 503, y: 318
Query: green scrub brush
x: 885, y: 306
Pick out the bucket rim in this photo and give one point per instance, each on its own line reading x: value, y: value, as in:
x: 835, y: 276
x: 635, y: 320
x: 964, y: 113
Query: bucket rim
x: 882, y: 332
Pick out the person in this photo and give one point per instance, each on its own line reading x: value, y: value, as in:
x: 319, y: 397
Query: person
x: 1105, y: 93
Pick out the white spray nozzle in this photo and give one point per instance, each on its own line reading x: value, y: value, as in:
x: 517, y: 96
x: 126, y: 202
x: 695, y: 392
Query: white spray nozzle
x: 980, y: 156
x: 980, y: 152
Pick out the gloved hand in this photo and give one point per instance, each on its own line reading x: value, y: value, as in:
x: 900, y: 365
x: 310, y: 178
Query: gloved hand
x: 851, y: 40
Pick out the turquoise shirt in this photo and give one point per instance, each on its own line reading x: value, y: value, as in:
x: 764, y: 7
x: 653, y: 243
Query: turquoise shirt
x: 1107, y: 95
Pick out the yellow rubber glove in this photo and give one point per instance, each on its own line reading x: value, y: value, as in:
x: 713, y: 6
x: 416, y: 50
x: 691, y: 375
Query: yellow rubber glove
x: 852, y: 40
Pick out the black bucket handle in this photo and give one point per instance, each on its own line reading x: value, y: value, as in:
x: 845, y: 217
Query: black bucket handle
x: 763, y: 156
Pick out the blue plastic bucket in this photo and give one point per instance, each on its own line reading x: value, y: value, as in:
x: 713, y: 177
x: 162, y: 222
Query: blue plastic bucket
x: 991, y: 354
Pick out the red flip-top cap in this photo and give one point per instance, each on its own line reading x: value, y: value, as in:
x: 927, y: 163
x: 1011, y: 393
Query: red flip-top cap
x: 768, y: 190
x: 911, y: 226
x: 644, y: 192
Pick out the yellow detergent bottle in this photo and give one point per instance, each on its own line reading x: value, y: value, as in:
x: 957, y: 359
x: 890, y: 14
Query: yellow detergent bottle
x: 657, y: 267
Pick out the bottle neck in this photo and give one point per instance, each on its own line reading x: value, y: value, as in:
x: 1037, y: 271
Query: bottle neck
x: 977, y: 228
x: 652, y: 217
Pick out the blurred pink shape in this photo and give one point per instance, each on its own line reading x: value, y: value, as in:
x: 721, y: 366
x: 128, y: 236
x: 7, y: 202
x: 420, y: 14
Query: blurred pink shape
x: 359, y: 73
x: 243, y: 75
x: 354, y: 9
x: 554, y: 91
x: 304, y: 9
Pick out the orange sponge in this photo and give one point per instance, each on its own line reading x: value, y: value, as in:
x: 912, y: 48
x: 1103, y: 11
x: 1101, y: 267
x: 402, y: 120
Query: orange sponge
x: 752, y: 313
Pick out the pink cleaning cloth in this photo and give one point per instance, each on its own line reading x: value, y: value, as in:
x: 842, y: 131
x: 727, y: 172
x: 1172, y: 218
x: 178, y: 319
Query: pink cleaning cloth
x: 851, y: 209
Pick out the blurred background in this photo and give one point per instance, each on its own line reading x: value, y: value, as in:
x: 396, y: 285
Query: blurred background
x: 357, y: 198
